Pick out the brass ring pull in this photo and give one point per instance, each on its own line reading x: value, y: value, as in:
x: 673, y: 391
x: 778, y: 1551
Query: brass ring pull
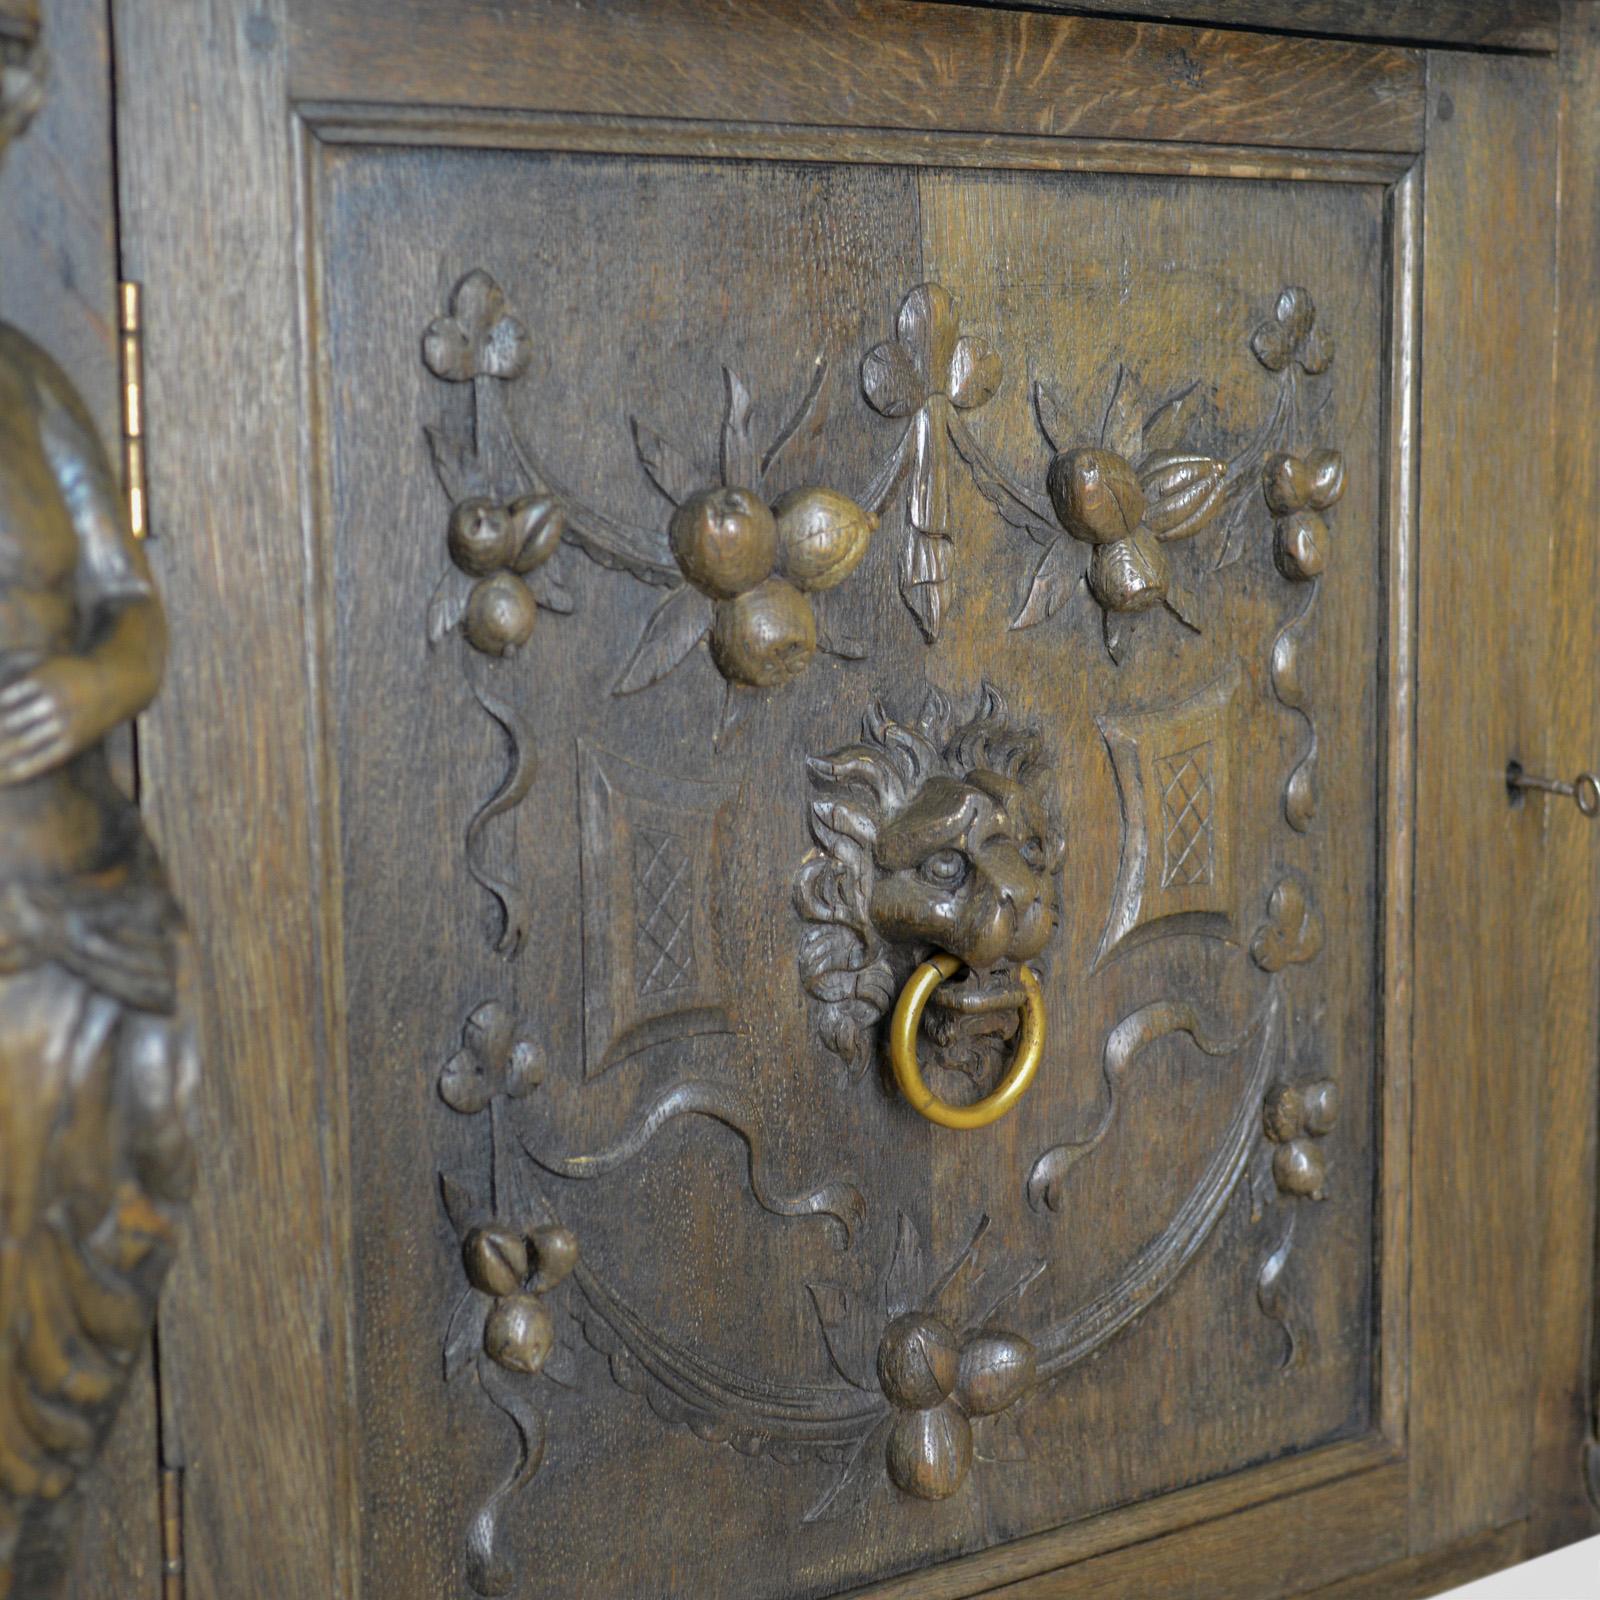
x: 903, y: 1049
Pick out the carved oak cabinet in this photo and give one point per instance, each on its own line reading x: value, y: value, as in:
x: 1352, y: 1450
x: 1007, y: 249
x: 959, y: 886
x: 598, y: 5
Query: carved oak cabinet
x: 841, y: 740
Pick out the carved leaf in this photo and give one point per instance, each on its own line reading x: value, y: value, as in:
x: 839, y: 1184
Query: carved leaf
x: 863, y: 1472
x: 464, y: 1337
x: 1164, y: 426
x: 670, y: 470
x: 448, y: 605
x: 804, y: 426
x: 1122, y: 428
x: 456, y: 465
x: 549, y: 590
x: 1014, y: 503
x: 1055, y: 580
x: 460, y: 1204
x: 908, y: 1271
x: 739, y: 458
x: 1057, y: 427
x: 678, y: 624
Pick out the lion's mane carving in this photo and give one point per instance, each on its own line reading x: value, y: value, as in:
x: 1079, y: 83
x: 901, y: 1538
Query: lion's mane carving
x: 985, y: 767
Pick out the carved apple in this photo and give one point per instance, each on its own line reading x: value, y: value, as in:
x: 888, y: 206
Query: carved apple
x: 764, y: 637
x: 725, y: 541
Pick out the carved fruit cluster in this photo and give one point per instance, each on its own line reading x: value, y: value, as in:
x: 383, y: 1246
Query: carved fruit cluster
x: 1298, y: 491
x: 1297, y: 1117
x: 937, y: 1383
x: 516, y: 1269
x: 759, y: 564
x: 499, y: 545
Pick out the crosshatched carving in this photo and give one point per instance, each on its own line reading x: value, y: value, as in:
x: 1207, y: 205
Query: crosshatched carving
x: 1189, y: 833
x: 1173, y: 768
x: 652, y: 968
x: 662, y: 882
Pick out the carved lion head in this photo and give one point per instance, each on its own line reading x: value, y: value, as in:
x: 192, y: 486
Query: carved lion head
x: 933, y: 835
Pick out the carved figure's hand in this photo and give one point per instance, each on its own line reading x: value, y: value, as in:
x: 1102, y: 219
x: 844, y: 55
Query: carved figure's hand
x: 47, y: 716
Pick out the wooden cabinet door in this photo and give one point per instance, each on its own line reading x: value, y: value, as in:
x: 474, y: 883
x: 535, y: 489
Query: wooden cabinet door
x: 676, y: 516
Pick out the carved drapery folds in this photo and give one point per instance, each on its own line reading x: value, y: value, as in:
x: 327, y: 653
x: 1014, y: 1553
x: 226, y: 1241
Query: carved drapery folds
x: 95, y: 1067
x: 915, y: 825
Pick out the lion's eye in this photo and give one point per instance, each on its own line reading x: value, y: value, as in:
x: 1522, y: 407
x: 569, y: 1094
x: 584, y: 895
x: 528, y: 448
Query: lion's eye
x: 1033, y: 854
x: 945, y: 867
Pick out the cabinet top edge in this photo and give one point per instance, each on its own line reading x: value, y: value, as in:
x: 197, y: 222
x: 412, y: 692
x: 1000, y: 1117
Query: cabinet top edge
x: 1528, y: 27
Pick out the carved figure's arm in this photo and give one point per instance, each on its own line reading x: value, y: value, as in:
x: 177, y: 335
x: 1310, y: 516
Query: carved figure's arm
x: 69, y: 702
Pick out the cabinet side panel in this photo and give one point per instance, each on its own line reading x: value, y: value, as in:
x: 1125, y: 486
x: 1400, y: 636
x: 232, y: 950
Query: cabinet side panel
x: 1484, y: 531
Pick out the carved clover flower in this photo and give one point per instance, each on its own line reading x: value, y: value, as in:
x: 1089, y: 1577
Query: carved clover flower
x: 929, y: 357
x: 479, y: 338
x: 493, y: 1060
x: 1290, y: 335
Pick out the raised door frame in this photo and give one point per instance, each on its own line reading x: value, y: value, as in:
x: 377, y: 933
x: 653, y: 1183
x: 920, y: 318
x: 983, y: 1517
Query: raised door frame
x: 1488, y: 1104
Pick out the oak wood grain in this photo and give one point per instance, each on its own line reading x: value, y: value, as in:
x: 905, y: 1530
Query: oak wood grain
x: 254, y: 1327
x: 1489, y: 290
x: 1529, y: 25
x: 1569, y: 1001
x: 771, y: 62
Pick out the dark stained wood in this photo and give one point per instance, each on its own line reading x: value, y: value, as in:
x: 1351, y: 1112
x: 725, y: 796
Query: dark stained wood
x: 522, y: 300
x: 256, y: 1319
x: 1529, y: 25
x: 1487, y: 409
x: 771, y: 62
x: 58, y: 271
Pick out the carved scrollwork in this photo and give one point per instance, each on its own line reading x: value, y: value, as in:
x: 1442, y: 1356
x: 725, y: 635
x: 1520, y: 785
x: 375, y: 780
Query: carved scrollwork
x: 925, y: 831
x: 96, y: 1068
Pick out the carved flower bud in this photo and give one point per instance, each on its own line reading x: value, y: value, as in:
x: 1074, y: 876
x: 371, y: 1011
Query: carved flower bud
x: 1096, y: 494
x: 1322, y: 1106
x: 1130, y: 575
x: 519, y: 1334
x: 537, y: 524
x: 1299, y: 1168
x: 501, y: 612
x: 1184, y: 492
x: 918, y: 1360
x: 555, y: 1254
x: 1286, y: 482
x: 765, y: 637
x: 1285, y: 1116
x: 995, y: 1369
x: 930, y: 1452
x: 1326, y: 468
x: 725, y: 541
x: 496, y: 1259
x: 481, y: 539
x: 1299, y: 546
x: 822, y: 537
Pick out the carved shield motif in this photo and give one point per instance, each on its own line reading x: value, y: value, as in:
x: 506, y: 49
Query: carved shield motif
x: 769, y: 631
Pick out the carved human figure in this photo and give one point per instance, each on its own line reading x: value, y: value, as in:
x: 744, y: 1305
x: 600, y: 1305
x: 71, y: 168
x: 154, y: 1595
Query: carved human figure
x: 94, y: 1067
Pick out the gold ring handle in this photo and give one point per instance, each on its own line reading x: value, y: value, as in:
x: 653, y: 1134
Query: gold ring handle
x: 903, y: 1049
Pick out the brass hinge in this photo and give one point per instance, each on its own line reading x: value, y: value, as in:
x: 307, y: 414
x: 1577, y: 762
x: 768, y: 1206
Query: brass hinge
x: 172, y: 1533
x: 130, y: 330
